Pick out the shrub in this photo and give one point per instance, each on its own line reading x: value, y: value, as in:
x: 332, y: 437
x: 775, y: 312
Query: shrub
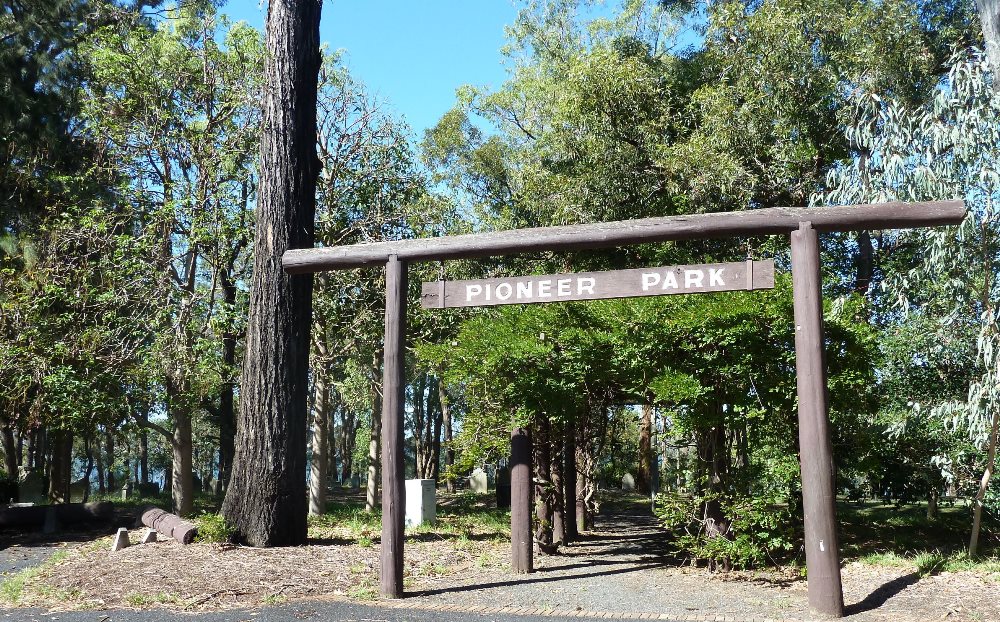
x: 757, y: 531
x: 213, y: 528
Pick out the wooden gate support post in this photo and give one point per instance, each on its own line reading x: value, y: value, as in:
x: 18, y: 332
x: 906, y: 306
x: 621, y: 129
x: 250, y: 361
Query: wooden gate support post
x: 393, y: 385
x: 826, y: 595
x: 521, y: 561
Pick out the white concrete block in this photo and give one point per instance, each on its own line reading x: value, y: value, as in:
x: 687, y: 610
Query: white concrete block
x: 421, y: 504
x: 121, y: 540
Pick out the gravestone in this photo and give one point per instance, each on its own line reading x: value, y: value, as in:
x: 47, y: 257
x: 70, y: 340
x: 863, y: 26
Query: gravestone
x: 149, y: 489
x: 77, y: 489
x: 420, y: 502
x: 628, y: 482
x: 478, y: 482
x: 355, y: 483
x: 127, y: 490
x: 31, y: 489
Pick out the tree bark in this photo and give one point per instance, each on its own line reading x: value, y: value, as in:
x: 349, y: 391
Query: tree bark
x: 9, y: 450
x: 266, y: 502
x: 320, y: 445
x: 99, y: 461
x: 569, y: 481
x: 109, y: 441
x: 60, y: 466
x: 556, y: 476
x: 449, y: 451
x: 348, y: 441
x: 644, y: 472
x: 543, y: 486
x: 89, y: 469
x: 989, y: 17
x: 182, y: 484
x: 227, y: 401
x: 374, y: 440
x: 977, y: 512
x: 865, y: 263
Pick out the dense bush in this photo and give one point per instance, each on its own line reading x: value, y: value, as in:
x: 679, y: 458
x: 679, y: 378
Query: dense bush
x: 752, y: 532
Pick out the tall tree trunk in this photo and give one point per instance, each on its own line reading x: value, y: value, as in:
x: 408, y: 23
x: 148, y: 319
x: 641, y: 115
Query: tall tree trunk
x: 569, y: 481
x: 60, y: 467
x: 90, y: 469
x: 556, y: 475
x: 419, y: 415
x: 348, y: 442
x: 449, y: 450
x: 99, y: 460
x: 375, y: 439
x: 989, y: 17
x: 864, y: 263
x: 583, y: 519
x: 182, y: 482
x: 144, y: 450
x: 645, y: 471
x: 436, y: 437
x: 9, y: 451
x: 109, y: 441
x: 991, y: 458
x: 320, y: 444
x: 227, y: 398
x: 266, y: 502
x: 543, y: 485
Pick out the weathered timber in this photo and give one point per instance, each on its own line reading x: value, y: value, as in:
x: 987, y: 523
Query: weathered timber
x: 768, y: 221
x: 64, y: 513
x: 521, y: 495
x: 170, y: 525
x: 393, y: 402
x: 660, y: 281
x: 826, y: 595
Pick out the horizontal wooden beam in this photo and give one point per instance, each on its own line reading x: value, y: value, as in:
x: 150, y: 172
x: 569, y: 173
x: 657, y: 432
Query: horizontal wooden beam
x: 768, y: 221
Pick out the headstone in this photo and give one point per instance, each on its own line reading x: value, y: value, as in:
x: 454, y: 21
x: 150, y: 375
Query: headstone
x: 628, y: 482
x: 30, y: 489
x: 77, y: 488
x: 478, y: 482
x: 420, y: 502
x: 355, y: 483
x: 149, y: 489
x: 149, y: 537
x: 120, y: 541
x: 127, y: 491
x: 51, y: 524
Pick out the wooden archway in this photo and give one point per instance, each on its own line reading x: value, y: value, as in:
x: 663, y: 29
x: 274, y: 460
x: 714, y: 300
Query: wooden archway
x: 802, y: 225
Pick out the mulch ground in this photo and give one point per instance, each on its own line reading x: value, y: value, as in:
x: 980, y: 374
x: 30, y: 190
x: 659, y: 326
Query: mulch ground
x: 618, y: 568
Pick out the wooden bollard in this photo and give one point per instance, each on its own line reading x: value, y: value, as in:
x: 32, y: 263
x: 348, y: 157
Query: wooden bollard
x: 170, y: 525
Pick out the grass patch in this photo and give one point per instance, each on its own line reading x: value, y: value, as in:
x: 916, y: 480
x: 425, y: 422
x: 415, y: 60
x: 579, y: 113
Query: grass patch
x: 14, y: 587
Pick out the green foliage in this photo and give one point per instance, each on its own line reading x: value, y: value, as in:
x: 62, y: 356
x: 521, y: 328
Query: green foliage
x: 212, y: 527
x: 757, y: 531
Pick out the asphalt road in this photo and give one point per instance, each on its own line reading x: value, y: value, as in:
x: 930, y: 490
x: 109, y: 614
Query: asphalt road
x: 326, y: 611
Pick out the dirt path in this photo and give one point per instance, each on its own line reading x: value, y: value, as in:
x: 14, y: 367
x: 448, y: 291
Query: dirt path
x: 621, y: 567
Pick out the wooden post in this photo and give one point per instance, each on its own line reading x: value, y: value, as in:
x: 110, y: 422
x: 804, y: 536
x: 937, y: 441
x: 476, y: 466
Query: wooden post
x: 826, y: 595
x: 393, y: 385
x: 520, y: 502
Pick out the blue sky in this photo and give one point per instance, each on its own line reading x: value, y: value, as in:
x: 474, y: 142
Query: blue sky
x: 412, y: 55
